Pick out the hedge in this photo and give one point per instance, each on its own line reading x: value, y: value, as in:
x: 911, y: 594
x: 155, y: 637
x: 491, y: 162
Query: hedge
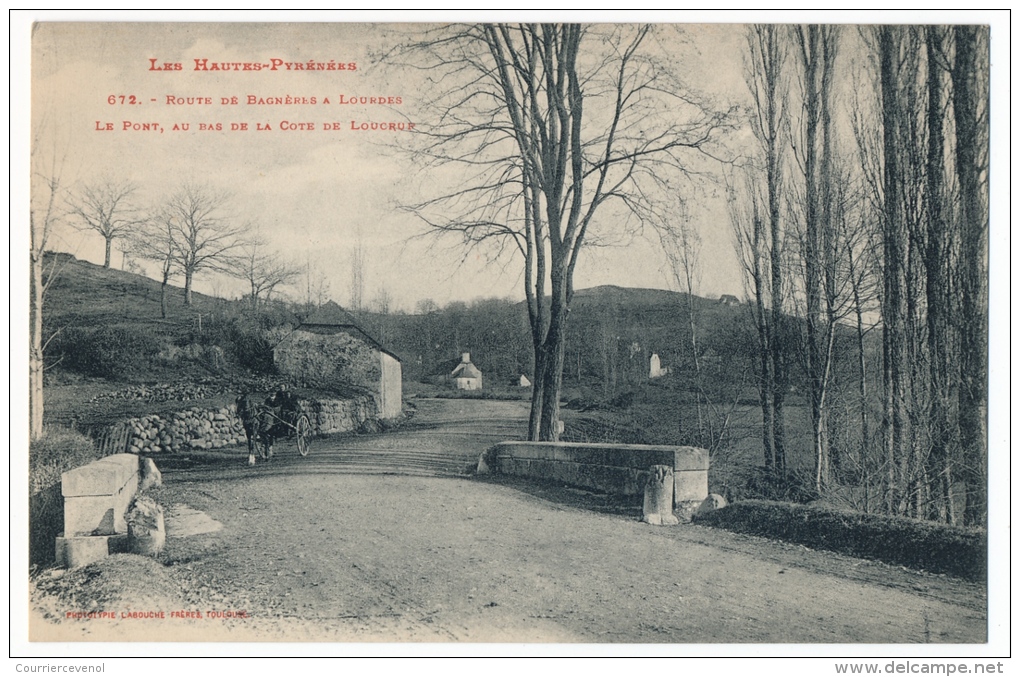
x: 56, y: 452
x: 108, y: 352
x: 928, y: 546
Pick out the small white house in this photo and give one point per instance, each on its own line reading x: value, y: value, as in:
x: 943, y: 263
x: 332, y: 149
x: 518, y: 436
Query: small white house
x: 524, y: 382
x: 465, y: 375
x: 655, y: 368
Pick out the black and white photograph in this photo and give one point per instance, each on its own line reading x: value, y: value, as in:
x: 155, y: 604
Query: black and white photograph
x: 661, y: 332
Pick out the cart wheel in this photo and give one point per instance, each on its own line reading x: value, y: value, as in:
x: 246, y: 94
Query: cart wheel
x: 304, y: 434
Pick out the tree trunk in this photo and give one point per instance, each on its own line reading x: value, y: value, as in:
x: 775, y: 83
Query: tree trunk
x: 109, y: 247
x: 814, y: 269
x: 895, y: 243
x: 767, y: 46
x: 779, y: 379
x: 703, y: 440
x: 766, y: 379
x: 971, y: 164
x: 162, y: 296
x: 35, y: 356
x: 937, y: 291
x: 537, y: 392
x: 864, y: 447
x: 187, y: 287
x: 554, y: 356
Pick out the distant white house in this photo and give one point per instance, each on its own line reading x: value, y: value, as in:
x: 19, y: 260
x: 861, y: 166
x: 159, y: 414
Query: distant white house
x: 465, y: 375
x: 524, y: 382
x: 729, y: 300
x: 655, y: 368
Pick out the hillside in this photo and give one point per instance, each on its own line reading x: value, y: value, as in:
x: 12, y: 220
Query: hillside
x: 613, y: 331
x: 85, y: 294
x: 109, y: 353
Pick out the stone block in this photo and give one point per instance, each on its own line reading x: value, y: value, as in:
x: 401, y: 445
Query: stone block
x: 658, y: 501
x: 690, y: 485
x: 151, y: 476
x: 710, y: 504
x: 612, y: 468
x: 76, y: 551
x: 104, y: 477
x: 97, y: 495
x: 93, y: 515
x: 690, y: 458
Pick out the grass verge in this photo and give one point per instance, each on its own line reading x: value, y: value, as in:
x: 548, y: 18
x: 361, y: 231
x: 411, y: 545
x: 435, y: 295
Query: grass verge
x: 917, y: 544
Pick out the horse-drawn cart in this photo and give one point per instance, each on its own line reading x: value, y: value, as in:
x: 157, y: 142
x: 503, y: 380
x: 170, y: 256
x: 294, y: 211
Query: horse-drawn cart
x: 293, y: 424
x: 264, y: 424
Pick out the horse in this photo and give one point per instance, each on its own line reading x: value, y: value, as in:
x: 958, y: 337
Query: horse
x: 258, y: 421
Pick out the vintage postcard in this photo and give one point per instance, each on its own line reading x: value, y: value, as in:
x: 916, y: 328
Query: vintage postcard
x: 606, y: 333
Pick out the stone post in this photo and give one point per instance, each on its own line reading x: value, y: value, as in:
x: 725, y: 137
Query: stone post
x: 658, y: 506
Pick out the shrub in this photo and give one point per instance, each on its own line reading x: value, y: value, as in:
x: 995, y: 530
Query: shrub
x: 929, y: 546
x: 793, y: 486
x: 107, y: 352
x: 251, y: 347
x: 59, y: 450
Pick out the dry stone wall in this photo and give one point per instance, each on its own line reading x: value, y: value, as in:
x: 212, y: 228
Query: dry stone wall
x: 197, y: 428
x: 193, y: 428
x: 341, y: 416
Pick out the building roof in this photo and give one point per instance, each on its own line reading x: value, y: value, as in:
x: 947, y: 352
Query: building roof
x: 330, y: 318
x: 331, y: 313
x: 466, y: 370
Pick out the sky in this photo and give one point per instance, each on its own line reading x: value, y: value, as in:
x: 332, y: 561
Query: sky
x: 315, y: 193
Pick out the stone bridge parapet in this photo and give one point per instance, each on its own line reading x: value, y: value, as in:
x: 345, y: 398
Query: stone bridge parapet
x: 610, y: 468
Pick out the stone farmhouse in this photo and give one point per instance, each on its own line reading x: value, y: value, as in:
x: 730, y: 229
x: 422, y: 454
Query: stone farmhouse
x: 330, y: 350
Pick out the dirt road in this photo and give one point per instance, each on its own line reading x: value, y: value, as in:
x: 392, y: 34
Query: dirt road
x: 382, y: 538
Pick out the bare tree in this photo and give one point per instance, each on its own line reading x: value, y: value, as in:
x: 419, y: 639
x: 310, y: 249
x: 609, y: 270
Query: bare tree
x: 682, y: 247
x: 357, y: 287
x: 549, y: 125
x: 263, y: 269
x: 156, y: 240
x: 45, y: 212
x: 816, y: 52
x: 941, y: 343
x: 316, y: 284
x: 383, y: 301
x: 205, y: 238
x: 970, y: 113
x: 895, y: 239
x: 105, y: 206
x: 765, y: 74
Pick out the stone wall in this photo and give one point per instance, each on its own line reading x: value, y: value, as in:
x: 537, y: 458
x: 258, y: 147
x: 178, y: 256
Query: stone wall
x: 192, y: 428
x: 329, y: 359
x: 341, y: 416
x: 610, y: 468
x: 197, y: 428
